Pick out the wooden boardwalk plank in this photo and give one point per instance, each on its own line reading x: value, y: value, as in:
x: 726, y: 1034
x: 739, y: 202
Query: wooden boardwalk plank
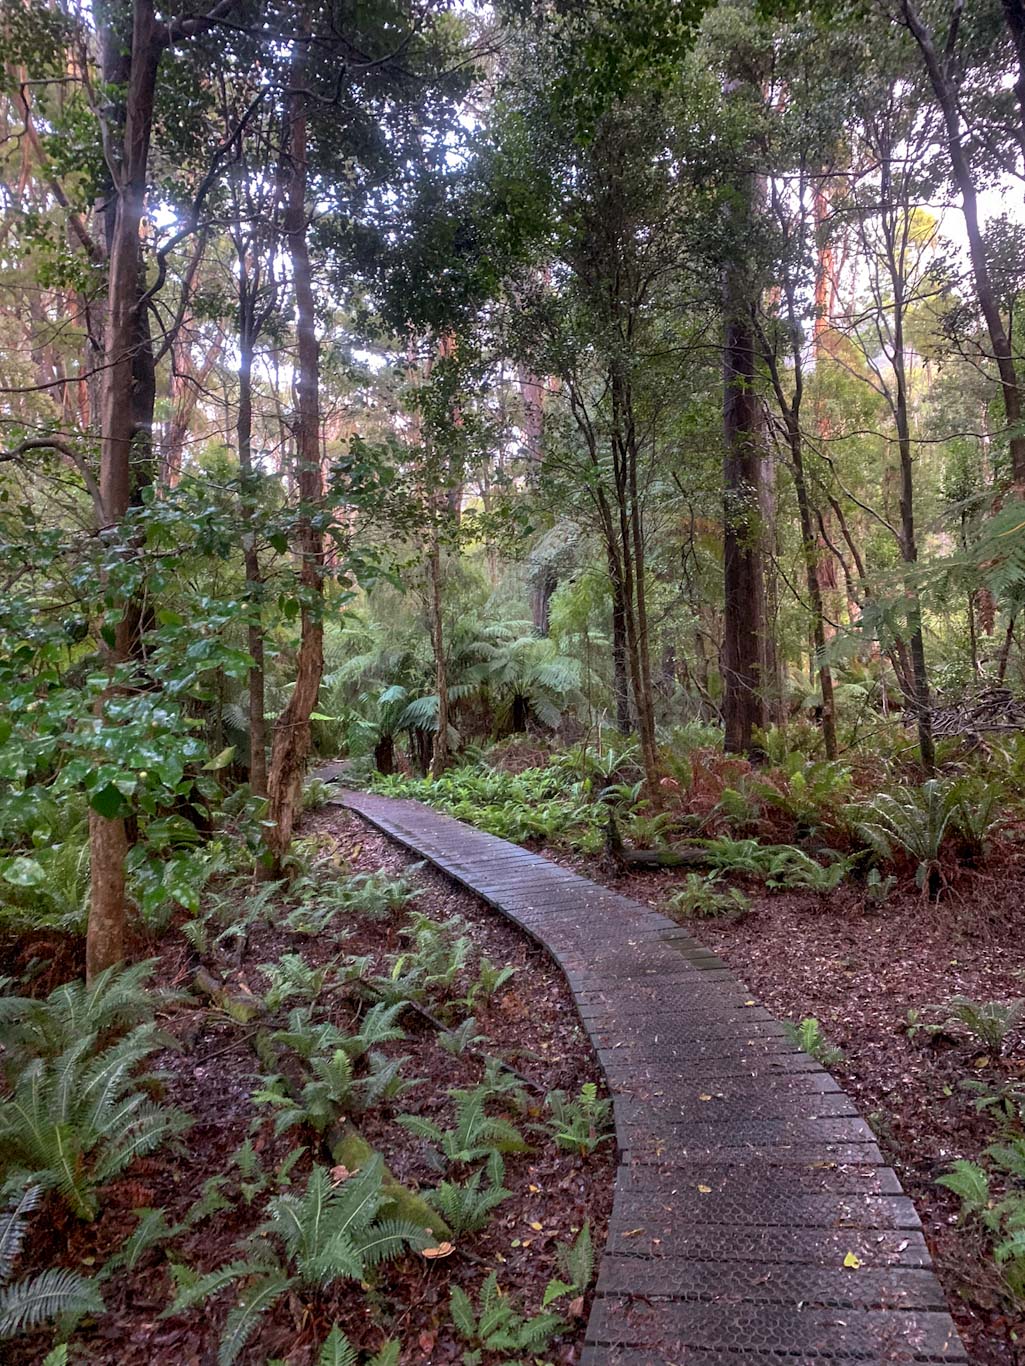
x: 745, y: 1175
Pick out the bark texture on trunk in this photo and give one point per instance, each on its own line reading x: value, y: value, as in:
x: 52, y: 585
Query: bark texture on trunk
x: 250, y: 555
x: 440, y: 757
x: 743, y: 570
x: 292, y: 737
x: 127, y: 395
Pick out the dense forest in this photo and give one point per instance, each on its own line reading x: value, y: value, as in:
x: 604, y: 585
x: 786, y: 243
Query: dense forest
x: 602, y: 423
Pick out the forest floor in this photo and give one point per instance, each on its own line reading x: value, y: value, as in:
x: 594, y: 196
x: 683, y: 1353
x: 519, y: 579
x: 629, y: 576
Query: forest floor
x: 859, y: 973
x: 530, y: 1023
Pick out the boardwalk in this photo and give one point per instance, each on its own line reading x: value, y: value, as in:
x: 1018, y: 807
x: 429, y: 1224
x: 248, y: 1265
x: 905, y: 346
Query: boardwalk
x: 754, y: 1218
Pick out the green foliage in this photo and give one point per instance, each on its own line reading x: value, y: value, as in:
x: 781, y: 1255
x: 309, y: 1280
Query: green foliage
x: 706, y: 898
x: 39, y: 1299
x: 808, y: 1035
x: 919, y: 823
x: 989, y: 1023
x: 476, y: 1134
x: 497, y: 1325
x: 534, y: 804
x: 116, y: 999
x: 345, y: 1073
x: 77, y: 1120
x: 317, y: 793
x: 579, y: 1123
x: 792, y: 870
x: 290, y: 977
x: 462, y: 1038
x: 329, y: 1233
x: 436, y: 958
x: 575, y: 1263
x: 338, y: 1351
x: 466, y: 1206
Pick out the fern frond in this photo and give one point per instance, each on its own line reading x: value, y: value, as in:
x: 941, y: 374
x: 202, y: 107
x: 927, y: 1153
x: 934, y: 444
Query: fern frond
x: 52, y: 1294
x: 13, y: 1223
x: 243, y: 1319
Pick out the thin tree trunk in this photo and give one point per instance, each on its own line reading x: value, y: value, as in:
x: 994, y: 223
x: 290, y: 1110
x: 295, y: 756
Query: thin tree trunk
x: 1005, y: 649
x: 620, y: 681
x: 439, y: 760
x: 810, y: 546
x: 743, y: 572
x: 909, y: 547
x: 126, y: 418
x: 250, y: 555
x: 946, y: 94
x: 292, y: 736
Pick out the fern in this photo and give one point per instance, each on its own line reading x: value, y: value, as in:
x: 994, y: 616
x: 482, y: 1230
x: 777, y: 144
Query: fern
x: 52, y: 1294
x: 809, y: 1036
x: 75, y: 1122
x: 13, y: 1223
x: 117, y: 999
x: 467, y: 1207
x: 497, y: 1325
x: 476, y: 1133
x: 579, y: 1123
x: 55, y: 1293
x: 970, y: 1184
x: 337, y: 1350
x: 575, y: 1262
x: 990, y: 1022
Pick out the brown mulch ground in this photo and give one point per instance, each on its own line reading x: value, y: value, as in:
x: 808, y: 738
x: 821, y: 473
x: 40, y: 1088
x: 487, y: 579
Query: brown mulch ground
x: 531, y: 1024
x: 859, y: 973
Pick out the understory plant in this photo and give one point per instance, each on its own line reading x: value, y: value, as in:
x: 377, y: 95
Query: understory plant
x: 709, y: 898
x: 808, y: 1035
x: 50, y: 1295
x: 579, y: 1123
x: 497, y: 1325
x: 329, y: 1233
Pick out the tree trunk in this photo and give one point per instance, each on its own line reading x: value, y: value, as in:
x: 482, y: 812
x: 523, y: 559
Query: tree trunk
x: 620, y: 682
x: 384, y: 754
x: 127, y: 394
x: 292, y: 737
x: 947, y: 97
x: 908, y: 543
x: 810, y: 546
x: 439, y: 760
x: 743, y: 571
x: 251, y: 558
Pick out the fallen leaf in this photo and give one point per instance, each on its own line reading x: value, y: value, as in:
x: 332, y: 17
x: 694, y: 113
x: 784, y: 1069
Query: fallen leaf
x: 705, y: 1190
x: 632, y: 1232
x: 852, y: 1261
x: 575, y: 1308
x: 339, y: 1174
x: 704, y: 1097
x: 536, y: 1226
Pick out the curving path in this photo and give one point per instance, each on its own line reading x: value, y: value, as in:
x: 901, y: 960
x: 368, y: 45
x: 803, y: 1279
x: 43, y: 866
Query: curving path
x: 746, y: 1177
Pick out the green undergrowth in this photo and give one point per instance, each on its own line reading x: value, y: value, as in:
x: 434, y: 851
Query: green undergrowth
x: 329, y: 1037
